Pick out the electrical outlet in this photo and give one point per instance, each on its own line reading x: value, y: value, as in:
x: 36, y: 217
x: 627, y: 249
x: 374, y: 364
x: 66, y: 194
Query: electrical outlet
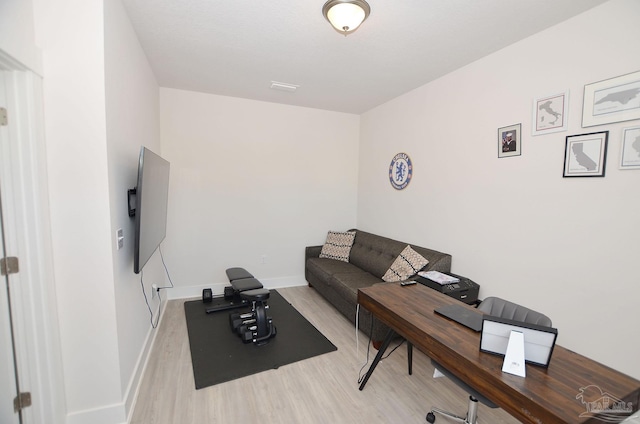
x: 264, y: 259
x: 154, y: 290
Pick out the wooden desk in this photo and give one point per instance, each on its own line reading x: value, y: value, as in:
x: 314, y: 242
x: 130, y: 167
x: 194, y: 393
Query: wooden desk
x: 546, y: 395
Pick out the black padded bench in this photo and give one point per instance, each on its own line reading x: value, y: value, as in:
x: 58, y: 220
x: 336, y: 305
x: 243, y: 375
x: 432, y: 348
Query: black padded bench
x: 241, y: 281
x: 237, y: 274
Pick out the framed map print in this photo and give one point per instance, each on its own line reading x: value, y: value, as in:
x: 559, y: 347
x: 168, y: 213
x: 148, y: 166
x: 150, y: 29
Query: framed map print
x: 613, y: 100
x: 630, y: 151
x: 585, y: 155
x: 550, y: 114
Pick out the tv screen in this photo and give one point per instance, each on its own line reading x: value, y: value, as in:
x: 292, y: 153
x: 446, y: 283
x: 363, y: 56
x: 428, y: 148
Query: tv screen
x: 152, y: 195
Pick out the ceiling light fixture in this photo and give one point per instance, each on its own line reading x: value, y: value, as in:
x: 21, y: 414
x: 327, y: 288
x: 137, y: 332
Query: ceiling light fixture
x: 346, y: 15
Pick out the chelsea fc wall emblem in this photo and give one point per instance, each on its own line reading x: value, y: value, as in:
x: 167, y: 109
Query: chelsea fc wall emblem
x: 400, y: 171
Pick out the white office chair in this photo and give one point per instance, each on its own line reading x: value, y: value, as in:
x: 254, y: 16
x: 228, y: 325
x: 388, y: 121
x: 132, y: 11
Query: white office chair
x: 497, y: 307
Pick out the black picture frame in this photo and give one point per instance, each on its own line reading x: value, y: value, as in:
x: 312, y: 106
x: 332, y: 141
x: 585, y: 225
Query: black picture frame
x: 510, y: 141
x: 585, y: 155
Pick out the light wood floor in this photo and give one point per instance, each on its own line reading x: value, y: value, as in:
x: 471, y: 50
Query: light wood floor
x: 321, y: 390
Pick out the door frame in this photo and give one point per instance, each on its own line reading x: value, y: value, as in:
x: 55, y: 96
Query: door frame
x: 28, y: 237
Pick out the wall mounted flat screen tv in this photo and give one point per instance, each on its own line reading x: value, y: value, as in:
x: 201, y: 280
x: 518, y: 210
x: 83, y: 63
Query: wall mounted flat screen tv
x: 152, y: 196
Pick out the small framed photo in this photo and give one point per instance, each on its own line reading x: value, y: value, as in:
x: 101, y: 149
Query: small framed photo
x: 509, y: 141
x: 613, y: 100
x: 585, y: 155
x: 550, y: 114
x: 630, y: 151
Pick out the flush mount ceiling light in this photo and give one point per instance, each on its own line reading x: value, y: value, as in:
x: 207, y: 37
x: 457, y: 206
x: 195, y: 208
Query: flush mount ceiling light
x: 346, y: 15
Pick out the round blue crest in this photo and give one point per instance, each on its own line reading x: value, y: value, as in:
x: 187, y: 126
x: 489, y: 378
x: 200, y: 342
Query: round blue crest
x: 400, y: 171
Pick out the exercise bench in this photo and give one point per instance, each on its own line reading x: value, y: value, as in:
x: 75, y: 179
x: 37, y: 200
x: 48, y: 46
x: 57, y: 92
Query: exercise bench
x: 254, y: 326
x: 241, y: 280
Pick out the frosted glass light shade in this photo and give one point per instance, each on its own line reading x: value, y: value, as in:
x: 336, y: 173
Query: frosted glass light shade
x: 344, y: 15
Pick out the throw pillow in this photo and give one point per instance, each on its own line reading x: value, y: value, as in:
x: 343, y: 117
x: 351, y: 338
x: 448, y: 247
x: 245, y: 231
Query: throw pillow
x: 338, y: 245
x: 407, y: 264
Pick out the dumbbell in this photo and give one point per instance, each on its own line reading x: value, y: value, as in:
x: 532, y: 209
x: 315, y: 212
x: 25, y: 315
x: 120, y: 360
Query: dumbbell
x: 238, y: 319
x: 251, y: 333
x: 247, y: 333
x: 239, y: 325
x: 229, y: 293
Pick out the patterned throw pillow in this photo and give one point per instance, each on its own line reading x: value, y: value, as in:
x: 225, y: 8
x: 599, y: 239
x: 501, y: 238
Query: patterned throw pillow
x: 407, y: 264
x: 338, y: 245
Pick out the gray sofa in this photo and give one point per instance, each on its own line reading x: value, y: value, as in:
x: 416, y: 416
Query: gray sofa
x: 370, y: 257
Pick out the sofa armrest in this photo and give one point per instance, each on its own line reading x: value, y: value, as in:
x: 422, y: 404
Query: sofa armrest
x: 312, y: 252
x: 442, y: 264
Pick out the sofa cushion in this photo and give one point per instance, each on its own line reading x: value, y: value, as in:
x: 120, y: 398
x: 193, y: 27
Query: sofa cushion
x: 374, y: 253
x: 324, y: 268
x: 407, y: 264
x: 347, y: 284
x: 338, y: 245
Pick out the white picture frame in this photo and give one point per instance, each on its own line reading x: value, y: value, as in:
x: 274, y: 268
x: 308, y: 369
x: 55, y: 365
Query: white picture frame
x: 550, y: 114
x: 630, y: 149
x: 613, y: 100
x: 539, y: 341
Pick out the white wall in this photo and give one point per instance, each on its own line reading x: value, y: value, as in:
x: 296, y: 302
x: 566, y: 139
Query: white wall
x: 101, y: 103
x: 566, y: 246
x: 249, y: 179
x: 17, y: 33
x: 73, y: 38
x: 132, y: 118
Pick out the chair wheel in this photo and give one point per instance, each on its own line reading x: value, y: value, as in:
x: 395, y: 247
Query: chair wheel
x: 431, y: 417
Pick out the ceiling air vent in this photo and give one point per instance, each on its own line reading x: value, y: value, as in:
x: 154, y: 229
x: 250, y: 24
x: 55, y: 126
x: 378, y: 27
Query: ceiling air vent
x: 283, y: 86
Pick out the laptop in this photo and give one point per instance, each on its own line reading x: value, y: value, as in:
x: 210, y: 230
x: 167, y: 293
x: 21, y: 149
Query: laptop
x: 462, y: 315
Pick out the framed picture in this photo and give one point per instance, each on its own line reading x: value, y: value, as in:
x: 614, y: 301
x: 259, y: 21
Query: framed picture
x: 630, y: 151
x: 539, y: 340
x: 613, y: 100
x: 550, y: 114
x: 509, y: 141
x: 585, y: 155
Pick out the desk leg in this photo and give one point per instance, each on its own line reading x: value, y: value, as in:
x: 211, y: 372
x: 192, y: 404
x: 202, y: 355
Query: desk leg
x: 410, y: 357
x: 384, y: 347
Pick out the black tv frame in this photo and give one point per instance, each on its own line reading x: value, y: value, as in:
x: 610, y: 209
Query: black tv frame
x: 151, y: 204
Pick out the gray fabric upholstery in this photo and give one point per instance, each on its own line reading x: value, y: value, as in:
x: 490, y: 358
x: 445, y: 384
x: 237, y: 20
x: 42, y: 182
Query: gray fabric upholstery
x: 504, y: 309
x: 370, y: 257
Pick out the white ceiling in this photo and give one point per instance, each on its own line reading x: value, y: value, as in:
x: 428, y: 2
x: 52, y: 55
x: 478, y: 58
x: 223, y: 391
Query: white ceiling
x: 237, y: 47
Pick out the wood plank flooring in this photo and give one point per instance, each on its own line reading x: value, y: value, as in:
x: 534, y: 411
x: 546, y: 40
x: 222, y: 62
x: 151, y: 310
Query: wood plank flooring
x: 322, y: 390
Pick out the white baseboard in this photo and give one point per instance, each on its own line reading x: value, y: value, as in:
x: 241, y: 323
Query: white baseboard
x: 131, y: 396
x: 109, y: 414
x: 121, y: 413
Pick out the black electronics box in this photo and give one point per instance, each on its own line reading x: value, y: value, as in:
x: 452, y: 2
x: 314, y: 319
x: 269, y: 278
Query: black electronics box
x: 465, y: 291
